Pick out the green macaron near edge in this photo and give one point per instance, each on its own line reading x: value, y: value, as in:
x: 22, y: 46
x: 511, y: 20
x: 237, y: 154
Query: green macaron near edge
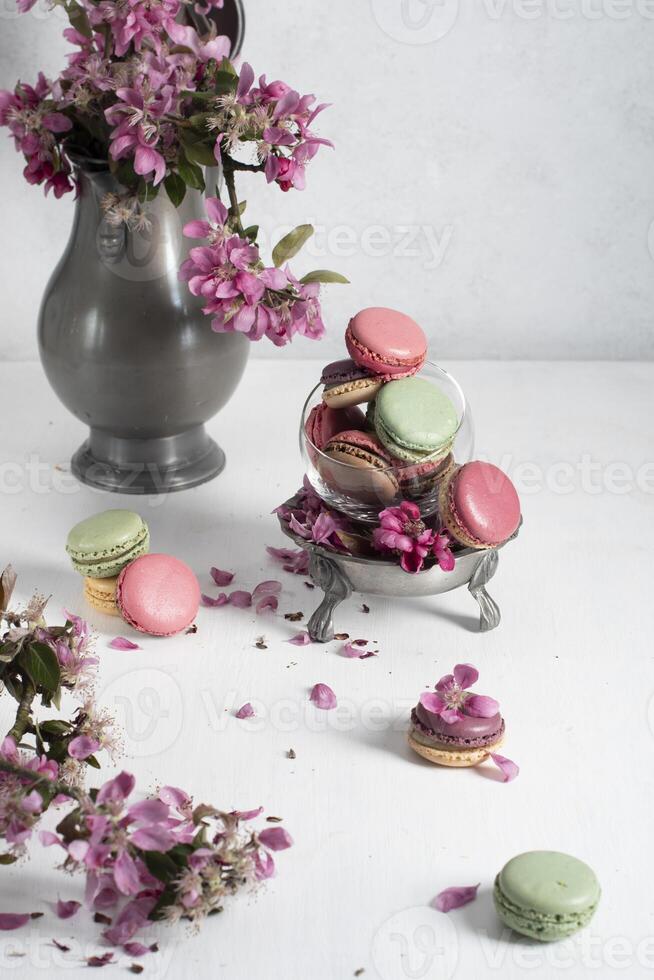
x: 546, y: 895
x: 101, y: 546
x: 414, y: 418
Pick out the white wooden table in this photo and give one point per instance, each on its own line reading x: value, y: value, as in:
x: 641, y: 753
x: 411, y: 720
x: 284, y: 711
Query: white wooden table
x: 378, y: 832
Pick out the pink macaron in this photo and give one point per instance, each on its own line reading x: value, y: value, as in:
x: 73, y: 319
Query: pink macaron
x: 158, y: 594
x: 386, y: 343
x: 324, y: 422
x: 479, y: 505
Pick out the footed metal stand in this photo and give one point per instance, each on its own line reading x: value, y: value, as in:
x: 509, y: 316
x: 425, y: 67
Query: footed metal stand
x: 489, y: 611
x: 326, y: 574
x: 339, y: 575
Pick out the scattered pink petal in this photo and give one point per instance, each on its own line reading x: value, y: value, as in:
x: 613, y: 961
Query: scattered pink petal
x: 220, y: 600
x: 354, y: 648
x: 122, y: 643
x: 269, y: 587
x: 300, y: 639
x: 66, y: 910
x: 240, y: 599
x: 245, y: 711
x: 508, y: 768
x: 221, y: 578
x: 292, y: 560
x: 136, y: 949
x: 455, y: 897
x: 247, y: 814
x: 275, y: 838
x: 323, y: 697
x: 268, y: 602
x: 82, y: 747
x: 264, y: 865
x: 11, y: 920
x: 103, y: 960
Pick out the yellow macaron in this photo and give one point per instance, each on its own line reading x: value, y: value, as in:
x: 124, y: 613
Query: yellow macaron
x: 101, y: 594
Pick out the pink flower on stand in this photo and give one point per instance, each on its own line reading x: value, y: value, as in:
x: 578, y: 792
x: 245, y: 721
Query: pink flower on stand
x: 442, y: 551
x: 403, y: 531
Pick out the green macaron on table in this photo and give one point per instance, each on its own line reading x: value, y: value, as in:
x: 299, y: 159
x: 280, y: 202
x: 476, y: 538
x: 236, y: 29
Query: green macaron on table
x: 546, y: 895
x: 101, y: 545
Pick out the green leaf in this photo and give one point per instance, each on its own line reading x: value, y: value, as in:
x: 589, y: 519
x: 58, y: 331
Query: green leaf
x: 196, y: 149
x: 8, y: 651
x: 191, y: 174
x: 160, y: 865
x: 7, y: 858
x: 175, y: 189
x: 93, y: 762
x: 291, y: 244
x: 54, y: 728
x: 323, y: 275
x: 251, y: 232
x: 79, y: 20
x: 41, y: 664
x: 124, y: 173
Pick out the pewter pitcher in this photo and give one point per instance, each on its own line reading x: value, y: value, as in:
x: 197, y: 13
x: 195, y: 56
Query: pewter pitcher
x: 128, y: 350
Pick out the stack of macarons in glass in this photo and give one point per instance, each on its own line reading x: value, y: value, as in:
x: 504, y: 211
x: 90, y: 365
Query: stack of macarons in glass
x: 154, y: 593
x: 403, y: 446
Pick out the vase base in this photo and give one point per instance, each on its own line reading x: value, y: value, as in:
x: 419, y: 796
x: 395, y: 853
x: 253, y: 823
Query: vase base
x: 148, y: 466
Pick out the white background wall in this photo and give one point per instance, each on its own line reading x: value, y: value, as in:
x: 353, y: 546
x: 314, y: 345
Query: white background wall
x: 493, y: 174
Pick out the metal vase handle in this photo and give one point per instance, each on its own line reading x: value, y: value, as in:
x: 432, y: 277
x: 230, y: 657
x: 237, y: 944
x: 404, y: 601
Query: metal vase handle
x: 228, y: 19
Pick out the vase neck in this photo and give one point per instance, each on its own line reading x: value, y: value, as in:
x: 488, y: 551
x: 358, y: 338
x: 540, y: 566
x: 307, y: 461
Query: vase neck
x: 152, y: 228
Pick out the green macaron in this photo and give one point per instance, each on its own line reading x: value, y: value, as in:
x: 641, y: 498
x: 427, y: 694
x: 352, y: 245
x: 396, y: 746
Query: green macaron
x: 546, y: 895
x: 102, y: 545
x: 414, y: 418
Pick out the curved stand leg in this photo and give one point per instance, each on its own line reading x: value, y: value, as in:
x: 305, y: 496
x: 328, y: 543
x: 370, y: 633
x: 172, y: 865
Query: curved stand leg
x: 489, y: 611
x: 326, y: 574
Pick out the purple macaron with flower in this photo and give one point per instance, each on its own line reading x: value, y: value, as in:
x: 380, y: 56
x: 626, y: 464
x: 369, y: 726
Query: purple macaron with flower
x: 451, y: 726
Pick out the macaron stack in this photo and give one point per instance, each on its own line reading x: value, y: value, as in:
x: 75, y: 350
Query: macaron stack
x: 403, y: 448
x: 156, y: 594
x: 100, y: 547
x: 404, y: 442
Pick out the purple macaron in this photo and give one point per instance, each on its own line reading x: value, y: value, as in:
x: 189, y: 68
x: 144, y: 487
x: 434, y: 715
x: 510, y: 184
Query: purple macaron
x: 347, y: 384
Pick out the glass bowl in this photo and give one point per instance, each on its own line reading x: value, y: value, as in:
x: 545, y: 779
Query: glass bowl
x: 363, y: 493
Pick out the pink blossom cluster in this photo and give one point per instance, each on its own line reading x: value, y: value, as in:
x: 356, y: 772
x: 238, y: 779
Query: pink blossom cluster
x: 240, y: 293
x: 136, y: 69
x: 119, y: 845
x: 310, y: 519
x: 403, y: 533
x: 278, y: 119
x: 21, y: 804
x: 35, y: 126
x: 73, y: 646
